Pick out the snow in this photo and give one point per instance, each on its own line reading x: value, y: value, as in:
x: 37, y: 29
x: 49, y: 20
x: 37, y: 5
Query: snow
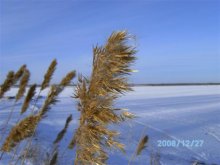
x: 169, y: 113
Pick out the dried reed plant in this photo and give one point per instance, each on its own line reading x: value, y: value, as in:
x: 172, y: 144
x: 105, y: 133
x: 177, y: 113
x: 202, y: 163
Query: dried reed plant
x: 111, y: 64
x: 23, y: 84
x: 96, y: 96
x: 30, y: 95
x: 54, y: 159
x: 55, y: 90
x: 48, y: 75
x: 19, y: 73
x: 142, y: 145
x: 21, y: 131
x: 61, y: 134
x: 7, y: 84
x: 11, y: 79
x: 46, y: 81
x: 21, y: 90
x: 51, y: 99
x: 27, y: 126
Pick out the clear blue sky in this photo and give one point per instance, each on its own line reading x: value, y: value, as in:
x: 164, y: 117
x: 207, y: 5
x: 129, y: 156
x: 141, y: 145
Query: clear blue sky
x: 177, y: 40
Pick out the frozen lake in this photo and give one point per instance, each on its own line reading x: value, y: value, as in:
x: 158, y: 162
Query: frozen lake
x: 182, y: 123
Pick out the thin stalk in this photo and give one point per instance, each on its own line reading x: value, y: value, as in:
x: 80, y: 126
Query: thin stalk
x: 28, y: 144
x: 32, y: 111
x: 2, y: 154
x: 4, y: 129
x: 35, y: 102
x: 8, y: 119
x: 134, y: 153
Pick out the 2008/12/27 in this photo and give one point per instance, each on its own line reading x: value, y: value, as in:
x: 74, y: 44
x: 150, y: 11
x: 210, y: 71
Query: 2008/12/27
x: 180, y: 143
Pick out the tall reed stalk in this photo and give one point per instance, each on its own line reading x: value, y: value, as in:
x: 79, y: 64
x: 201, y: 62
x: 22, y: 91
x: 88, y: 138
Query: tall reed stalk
x: 111, y: 65
x: 21, y: 90
x: 51, y: 99
x: 47, y: 78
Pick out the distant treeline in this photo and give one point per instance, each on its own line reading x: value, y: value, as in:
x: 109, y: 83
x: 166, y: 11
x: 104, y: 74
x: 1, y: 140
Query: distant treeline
x: 159, y: 84
x: 174, y: 84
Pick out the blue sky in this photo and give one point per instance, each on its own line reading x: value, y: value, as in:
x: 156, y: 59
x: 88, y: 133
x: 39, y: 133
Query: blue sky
x: 177, y: 40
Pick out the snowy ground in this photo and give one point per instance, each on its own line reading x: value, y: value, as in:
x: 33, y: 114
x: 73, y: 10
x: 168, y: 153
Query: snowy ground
x: 186, y: 116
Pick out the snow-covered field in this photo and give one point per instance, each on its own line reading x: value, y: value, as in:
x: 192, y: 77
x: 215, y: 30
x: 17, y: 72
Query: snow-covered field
x: 182, y: 123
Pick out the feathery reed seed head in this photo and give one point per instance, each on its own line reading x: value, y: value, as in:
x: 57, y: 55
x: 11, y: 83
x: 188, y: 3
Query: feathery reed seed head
x: 55, y: 90
x: 49, y: 74
x: 111, y: 65
x: 30, y: 94
x: 23, y: 83
x: 142, y: 145
x: 67, y: 79
x: 7, y: 84
x: 51, y: 99
x: 63, y: 131
x: 20, y: 131
x: 19, y: 73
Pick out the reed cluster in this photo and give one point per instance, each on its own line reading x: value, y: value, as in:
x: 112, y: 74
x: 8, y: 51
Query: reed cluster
x: 96, y: 96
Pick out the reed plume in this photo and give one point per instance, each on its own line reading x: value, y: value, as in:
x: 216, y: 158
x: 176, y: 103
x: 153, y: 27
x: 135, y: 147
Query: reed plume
x: 51, y: 99
x: 142, y: 145
x: 7, y: 84
x: 30, y: 94
x: 19, y: 73
x: 59, y: 137
x: 55, y: 90
x: 21, y: 131
x: 67, y: 79
x: 23, y: 84
x: 63, y: 131
x: 111, y: 64
x: 49, y: 74
x: 26, y: 127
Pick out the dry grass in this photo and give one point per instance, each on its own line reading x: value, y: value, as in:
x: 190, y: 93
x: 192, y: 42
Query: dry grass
x: 30, y: 95
x: 48, y: 75
x: 142, y: 145
x: 63, y: 131
x: 111, y: 64
x: 96, y: 96
x: 7, y: 83
x: 19, y: 73
x: 23, y: 84
x: 21, y: 131
x: 55, y: 90
x: 11, y: 79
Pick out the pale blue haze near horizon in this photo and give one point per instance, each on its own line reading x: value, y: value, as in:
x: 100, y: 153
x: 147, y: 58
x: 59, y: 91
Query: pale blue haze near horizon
x: 178, y: 41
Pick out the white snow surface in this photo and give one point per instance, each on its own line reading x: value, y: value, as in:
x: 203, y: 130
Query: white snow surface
x: 178, y: 114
